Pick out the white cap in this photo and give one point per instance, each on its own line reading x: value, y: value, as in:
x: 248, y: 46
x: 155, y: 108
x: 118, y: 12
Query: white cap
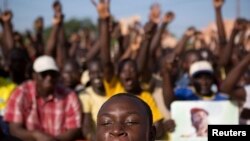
x: 44, y: 63
x: 199, y: 67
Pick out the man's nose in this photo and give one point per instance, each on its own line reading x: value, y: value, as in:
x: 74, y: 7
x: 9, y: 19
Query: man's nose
x: 118, y: 130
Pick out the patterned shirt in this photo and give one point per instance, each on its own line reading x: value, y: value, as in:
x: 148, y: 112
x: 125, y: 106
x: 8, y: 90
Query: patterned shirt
x: 53, y: 115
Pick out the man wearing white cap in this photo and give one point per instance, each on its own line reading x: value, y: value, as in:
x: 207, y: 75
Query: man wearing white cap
x: 40, y: 109
x: 202, y: 80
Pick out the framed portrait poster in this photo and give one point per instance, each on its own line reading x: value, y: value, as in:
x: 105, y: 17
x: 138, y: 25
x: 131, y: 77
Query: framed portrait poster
x: 193, y: 117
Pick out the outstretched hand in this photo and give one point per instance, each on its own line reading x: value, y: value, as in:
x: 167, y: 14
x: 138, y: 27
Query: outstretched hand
x: 57, y: 20
x: 169, y: 125
x: 38, y: 25
x: 155, y: 12
x: 218, y: 3
x: 57, y: 7
x: 240, y: 25
x: 6, y: 16
x: 168, y: 17
x: 102, y: 8
x: 190, y: 31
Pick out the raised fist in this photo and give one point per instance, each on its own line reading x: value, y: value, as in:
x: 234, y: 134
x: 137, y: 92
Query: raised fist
x: 190, y: 31
x: 168, y: 17
x: 102, y: 8
x: 6, y: 16
x: 38, y: 25
x: 57, y: 7
x: 58, y: 19
x: 240, y: 24
x: 155, y: 12
x: 218, y: 3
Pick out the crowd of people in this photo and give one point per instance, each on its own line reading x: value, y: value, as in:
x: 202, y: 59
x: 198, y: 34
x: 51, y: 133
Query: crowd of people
x: 121, y: 84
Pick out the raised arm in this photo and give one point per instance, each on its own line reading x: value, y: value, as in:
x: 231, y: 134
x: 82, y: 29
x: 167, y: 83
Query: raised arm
x: 53, y: 38
x: 219, y: 22
x: 104, y: 38
x: 150, y: 29
x: 168, y: 18
x: 8, y: 39
x: 180, y: 47
x: 229, y: 84
x: 38, y: 39
x: 51, y: 47
x: 225, y: 60
x: 167, y: 86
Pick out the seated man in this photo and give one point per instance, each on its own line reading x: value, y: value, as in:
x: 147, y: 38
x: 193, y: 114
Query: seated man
x: 41, y: 109
x: 125, y: 117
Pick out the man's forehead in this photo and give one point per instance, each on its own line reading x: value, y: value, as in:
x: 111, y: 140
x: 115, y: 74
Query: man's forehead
x: 127, y: 104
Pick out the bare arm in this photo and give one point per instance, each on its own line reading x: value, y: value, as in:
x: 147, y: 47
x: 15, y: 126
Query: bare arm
x: 229, y: 84
x: 227, y: 51
x: 8, y: 39
x: 168, y: 17
x: 104, y: 39
x: 219, y: 21
x: 53, y: 38
x: 18, y: 131
x: 39, y: 42
x: 156, y: 41
x: 88, y: 127
x: 69, y: 135
x: 182, y: 43
x: 167, y: 87
x: 94, y: 51
x: 61, y: 52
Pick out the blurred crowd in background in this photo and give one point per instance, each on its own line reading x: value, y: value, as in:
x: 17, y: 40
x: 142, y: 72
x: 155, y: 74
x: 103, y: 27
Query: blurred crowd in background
x: 51, y: 88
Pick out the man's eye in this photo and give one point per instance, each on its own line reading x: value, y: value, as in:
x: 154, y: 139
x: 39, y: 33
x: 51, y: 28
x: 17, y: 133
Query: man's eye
x: 106, y: 123
x: 131, y: 123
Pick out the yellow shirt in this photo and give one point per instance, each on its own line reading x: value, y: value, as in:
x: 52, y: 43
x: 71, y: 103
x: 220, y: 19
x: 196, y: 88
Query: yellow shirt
x: 92, y: 102
x: 6, y: 87
x: 147, y: 97
x: 113, y: 87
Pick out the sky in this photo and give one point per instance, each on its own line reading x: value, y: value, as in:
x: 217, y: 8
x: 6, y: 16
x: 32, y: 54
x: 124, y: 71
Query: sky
x: 198, y: 13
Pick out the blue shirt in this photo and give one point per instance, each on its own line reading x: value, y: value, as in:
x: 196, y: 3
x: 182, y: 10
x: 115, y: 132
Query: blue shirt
x: 188, y: 94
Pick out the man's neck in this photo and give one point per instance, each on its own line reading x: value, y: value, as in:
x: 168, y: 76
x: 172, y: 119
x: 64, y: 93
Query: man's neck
x: 202, y: 132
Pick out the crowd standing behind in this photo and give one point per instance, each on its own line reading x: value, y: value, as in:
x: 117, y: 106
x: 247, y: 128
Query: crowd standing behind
x: 53, y: 90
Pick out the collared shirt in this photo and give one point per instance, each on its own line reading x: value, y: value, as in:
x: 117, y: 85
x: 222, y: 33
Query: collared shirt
x: 53, y: 115
x: 92, y: 102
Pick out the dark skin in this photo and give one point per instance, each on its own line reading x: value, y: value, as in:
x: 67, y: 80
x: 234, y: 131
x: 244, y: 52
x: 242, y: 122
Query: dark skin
x: 56, y: 43
x: 71, y: 74
x: 96, y: 77
x: 124, y: 118
x: 35, y: 46
x: 7, y: 35
x: 229, y: 84
x: 129, y: 79
x: 46, y: 82
x: 202, y: 83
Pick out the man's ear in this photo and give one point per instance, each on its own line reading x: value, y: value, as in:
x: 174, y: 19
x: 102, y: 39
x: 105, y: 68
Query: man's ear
x: 152, y: 135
